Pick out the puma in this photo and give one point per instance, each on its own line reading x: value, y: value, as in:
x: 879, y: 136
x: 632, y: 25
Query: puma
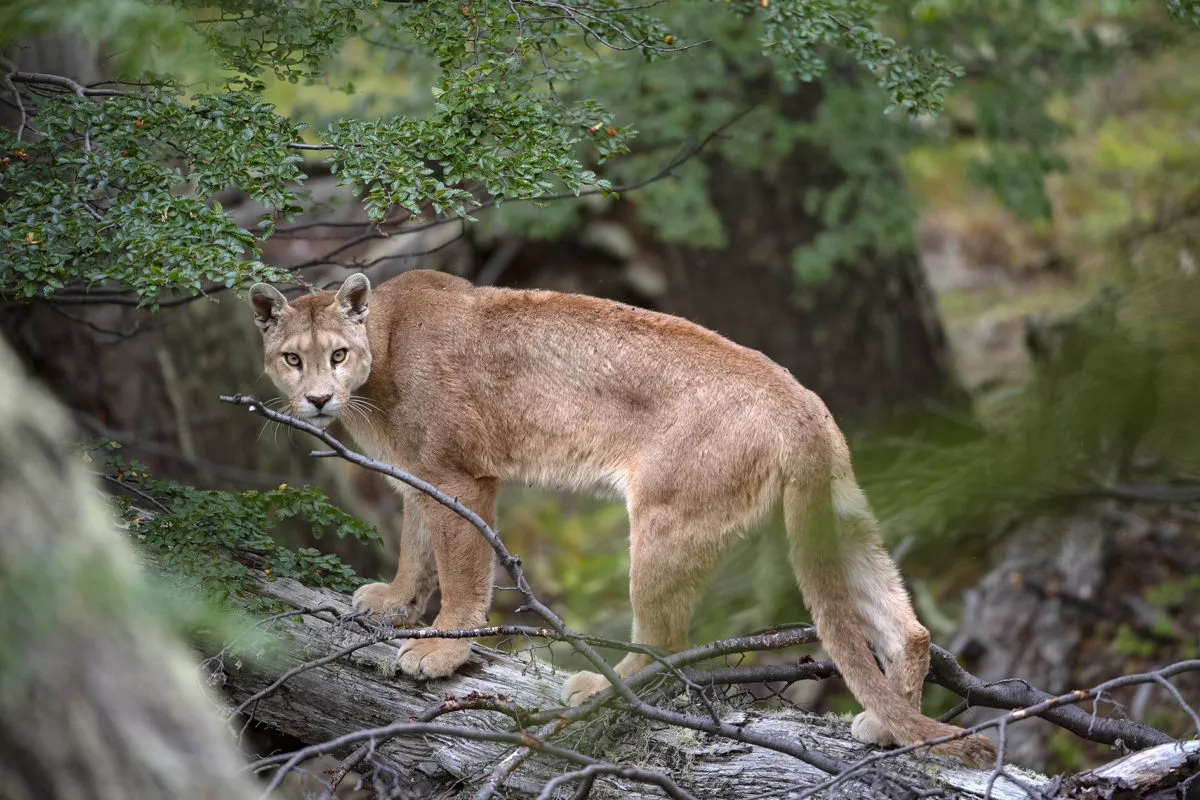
x: 468, y: 386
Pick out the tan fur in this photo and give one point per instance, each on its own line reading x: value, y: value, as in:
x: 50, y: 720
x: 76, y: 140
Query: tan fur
x: 467, y: 387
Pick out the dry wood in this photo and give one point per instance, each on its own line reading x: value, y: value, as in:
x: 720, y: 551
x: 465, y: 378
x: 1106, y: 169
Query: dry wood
x: 363, y: 690
x: 1166, y: 767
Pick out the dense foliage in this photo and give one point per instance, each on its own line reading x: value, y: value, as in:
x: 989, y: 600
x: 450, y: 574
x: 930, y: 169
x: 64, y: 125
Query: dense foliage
x: 116, y: 182
x: 213, y: 542
x: 485, y: 102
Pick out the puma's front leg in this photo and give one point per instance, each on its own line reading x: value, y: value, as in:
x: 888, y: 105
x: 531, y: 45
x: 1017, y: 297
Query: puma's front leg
x: 464, y: 567
x: 404, y: 599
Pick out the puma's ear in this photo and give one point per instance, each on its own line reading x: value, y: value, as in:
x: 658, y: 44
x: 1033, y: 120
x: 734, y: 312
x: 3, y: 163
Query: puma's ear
x: 352, y: 297
x: 268, y: 304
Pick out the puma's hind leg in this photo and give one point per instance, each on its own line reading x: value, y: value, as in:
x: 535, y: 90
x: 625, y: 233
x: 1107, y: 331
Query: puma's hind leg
x: 670, y: 556
x: 888, y: 621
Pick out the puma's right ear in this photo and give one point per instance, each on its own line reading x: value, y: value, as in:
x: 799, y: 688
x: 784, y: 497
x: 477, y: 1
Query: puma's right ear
x: 268, y: 304
x: 352, y: 297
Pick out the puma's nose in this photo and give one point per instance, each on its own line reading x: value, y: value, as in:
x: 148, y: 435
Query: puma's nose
x: 318, y: 400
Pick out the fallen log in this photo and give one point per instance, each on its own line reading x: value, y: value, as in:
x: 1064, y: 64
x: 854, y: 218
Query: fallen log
x: 1166, y: 770
x: 326, y: 697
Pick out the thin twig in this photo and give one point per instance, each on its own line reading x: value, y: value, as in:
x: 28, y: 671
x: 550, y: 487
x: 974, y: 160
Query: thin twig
x: 515, y: 759
x: 20, y: 105
x: 621, y: 770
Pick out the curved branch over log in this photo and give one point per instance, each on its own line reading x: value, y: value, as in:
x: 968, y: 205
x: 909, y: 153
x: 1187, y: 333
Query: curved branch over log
x: 363, y: 691
x: 947, y: 672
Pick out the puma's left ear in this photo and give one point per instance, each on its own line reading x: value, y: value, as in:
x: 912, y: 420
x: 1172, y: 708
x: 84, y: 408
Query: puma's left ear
x: 352, y: 297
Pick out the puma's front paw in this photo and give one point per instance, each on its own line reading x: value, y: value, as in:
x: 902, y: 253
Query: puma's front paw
x: 398, y: 606
x: 868, y: 729
x: 433, y: 658
x: 581, y: 686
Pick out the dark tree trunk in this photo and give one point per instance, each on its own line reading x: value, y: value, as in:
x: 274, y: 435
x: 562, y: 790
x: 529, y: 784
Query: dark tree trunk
x: 867, y: 339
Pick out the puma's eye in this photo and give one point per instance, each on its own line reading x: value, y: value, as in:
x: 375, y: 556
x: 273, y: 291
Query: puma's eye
x: 339, y: 355
x: 291, y: 359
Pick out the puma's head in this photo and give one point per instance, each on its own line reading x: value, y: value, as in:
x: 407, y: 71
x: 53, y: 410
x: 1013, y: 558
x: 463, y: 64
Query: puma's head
x: 315, y: 348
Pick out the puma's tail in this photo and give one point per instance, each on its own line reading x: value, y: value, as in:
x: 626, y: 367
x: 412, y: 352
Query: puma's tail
x: 826, y: 520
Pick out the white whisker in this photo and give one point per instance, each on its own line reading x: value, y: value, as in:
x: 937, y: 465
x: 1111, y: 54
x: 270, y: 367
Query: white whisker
x: 362, y: 404
x: 354, y: 408
x: 263, y: 430
x: 365, y: 403
x: 367, y: 419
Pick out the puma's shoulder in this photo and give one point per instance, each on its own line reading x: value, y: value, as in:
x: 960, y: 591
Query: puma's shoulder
x: 419, y: 282
x: 417, y: 302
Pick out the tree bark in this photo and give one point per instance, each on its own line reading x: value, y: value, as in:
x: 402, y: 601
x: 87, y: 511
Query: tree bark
x: 362, y: 691
x: 1164, y: 772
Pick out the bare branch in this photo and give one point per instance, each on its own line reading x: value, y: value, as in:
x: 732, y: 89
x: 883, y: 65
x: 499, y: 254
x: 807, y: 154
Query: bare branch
x: 623, y: 770
x: 1050, y: 703
x: 947, y: 672
x: 517, y: 757
x: 513, y: 566
x: 24, y: 118
x: 59, y: 80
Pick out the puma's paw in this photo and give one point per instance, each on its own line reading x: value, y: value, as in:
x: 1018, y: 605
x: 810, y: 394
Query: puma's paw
x: 581, y: 686
x: 868, y: 729
x: 399, y: 607
x: 433, y: 658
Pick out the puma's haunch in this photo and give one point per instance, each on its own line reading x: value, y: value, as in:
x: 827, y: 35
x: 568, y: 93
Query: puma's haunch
x: 468, y: 387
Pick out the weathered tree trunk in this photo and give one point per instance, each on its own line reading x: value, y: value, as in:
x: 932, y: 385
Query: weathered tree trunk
x: 1165, y: 772
x: 1067, y: 588
x: 98, y: 699
x: 363, y: 691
